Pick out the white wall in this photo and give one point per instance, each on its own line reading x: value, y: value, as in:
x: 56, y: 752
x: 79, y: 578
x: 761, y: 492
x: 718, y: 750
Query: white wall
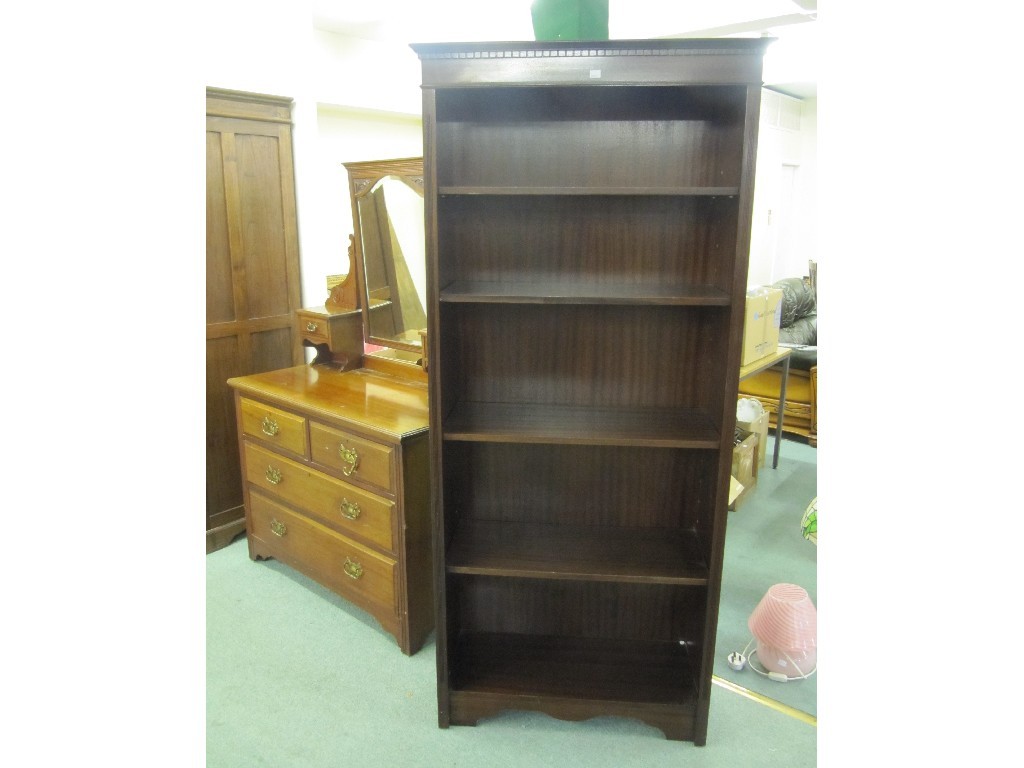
x: 806, y: 214
x: 345, y: 134
x: 783, y: 233
x: 259, y: 45
x: 364, y: 73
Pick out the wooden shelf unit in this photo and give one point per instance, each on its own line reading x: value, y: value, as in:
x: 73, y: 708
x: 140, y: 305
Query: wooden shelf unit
x: 588, y: 221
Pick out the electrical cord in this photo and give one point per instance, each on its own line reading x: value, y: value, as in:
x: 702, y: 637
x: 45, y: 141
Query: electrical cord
x: 738, y: 661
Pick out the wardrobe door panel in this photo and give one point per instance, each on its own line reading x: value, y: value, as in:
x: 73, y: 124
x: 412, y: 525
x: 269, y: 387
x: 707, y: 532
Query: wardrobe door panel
x: 252, y: 275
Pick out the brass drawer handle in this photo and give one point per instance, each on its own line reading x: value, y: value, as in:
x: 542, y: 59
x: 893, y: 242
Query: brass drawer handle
x: 351, y: 457
x: 350, y: 509
x: 352, y: 568
x: 273, y: 475
x: 270, y: 426
x: 311, y: 327
x: 278, y: 528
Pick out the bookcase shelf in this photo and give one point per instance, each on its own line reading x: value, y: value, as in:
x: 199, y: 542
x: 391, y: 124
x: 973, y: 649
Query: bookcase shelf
x: 545, y: 423
x: 635, y: 190
x: 583, y: 552
x: 579, y: 292
x: 588, y: 224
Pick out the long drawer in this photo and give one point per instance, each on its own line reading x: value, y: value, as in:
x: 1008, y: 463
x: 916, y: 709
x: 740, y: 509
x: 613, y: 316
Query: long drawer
x: 340, y: 505
x: 338, y: 562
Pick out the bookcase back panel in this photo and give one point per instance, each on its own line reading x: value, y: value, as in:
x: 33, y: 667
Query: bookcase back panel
x: 526, y: 104
x: 614, y: 240
x: 551, y: 354
x: 590, y: 136
x: 580, y: 485
x: 609, y: 611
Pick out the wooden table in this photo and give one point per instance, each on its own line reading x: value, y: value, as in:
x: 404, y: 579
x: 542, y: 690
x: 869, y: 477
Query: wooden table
x: 779, y: 357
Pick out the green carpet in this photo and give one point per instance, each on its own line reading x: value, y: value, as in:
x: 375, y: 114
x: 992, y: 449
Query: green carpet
x: 297, y: 677
x: 763, y: 546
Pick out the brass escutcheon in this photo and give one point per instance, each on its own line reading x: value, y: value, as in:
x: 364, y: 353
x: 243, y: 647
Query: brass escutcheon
x: 351, y: 457
x: 278, y: 527
x: 350, y: 509
x: 352, y: 568
x: 270, y: 426
x: 273, y: 475
x: 311, y: 327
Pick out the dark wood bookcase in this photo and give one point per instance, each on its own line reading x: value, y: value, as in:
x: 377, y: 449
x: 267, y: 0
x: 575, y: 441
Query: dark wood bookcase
x: 588, y: 223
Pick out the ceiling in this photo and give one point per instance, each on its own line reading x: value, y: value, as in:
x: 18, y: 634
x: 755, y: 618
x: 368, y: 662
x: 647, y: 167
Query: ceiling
x: 790, y: 64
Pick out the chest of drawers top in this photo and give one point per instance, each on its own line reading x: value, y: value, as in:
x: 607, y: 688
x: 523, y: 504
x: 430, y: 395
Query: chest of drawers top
x: 382, y: 405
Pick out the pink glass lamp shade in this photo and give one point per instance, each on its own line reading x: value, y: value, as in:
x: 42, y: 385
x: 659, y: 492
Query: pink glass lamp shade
x: 785, y: 625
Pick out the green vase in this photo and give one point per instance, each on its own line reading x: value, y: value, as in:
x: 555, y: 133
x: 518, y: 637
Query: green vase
x: 570, y: 19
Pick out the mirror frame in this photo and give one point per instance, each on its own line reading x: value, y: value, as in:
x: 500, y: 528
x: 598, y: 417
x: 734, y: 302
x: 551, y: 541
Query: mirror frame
x: 363, y: 176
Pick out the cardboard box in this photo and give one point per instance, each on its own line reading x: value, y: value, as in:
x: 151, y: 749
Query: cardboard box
x: 761, y: 320
x: 759, y: 427
x: 744, y: 459
x: 772, y: 319
x: 735, y: 491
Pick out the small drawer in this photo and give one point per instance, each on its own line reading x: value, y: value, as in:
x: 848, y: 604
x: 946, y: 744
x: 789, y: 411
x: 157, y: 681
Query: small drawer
x: 344, y: 507
x: 313, y: 329
x: 342, y: 564
x: 354, y: 457
x: 281, y: 428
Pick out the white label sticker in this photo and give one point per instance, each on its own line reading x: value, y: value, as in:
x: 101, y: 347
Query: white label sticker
x: 595, y: 74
